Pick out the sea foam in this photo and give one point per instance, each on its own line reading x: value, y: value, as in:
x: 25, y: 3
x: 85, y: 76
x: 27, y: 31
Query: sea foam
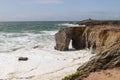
x: 68, y: 25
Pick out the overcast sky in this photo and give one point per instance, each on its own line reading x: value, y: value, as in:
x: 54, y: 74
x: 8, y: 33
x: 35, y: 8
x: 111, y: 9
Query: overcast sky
x: 60, y: 10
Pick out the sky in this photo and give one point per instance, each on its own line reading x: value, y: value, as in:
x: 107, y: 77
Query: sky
x: 58, y: 10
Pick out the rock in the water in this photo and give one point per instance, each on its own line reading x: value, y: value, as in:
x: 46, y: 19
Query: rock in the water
x: 63, y: 38
x: 22, y: 58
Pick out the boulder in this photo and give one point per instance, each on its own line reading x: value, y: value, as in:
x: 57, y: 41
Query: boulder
x: 22, y: 58
x: 62, y: 39
x: 74, y: 34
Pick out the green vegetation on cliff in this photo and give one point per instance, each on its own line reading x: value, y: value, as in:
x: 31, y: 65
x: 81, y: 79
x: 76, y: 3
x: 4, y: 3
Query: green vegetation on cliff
x: 74, y: 76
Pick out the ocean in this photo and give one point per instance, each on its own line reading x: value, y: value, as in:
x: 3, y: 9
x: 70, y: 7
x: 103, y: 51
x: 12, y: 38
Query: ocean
x: 15, y: 35
x: 35, y: 40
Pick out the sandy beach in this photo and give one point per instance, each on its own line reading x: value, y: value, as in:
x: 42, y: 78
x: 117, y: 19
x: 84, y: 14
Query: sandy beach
x: 41, y: 64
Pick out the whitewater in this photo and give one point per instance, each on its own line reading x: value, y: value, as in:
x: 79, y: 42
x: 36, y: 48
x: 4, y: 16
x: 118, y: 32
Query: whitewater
x: 36, y: 41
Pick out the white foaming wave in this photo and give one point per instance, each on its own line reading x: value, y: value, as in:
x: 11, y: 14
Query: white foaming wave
x: 68, y: 25
x: 15, y: 41
x: 39, y: 59
x: 50, y: 32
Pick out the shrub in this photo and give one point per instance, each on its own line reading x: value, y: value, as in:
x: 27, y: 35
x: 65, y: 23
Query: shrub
x: 73, y: 76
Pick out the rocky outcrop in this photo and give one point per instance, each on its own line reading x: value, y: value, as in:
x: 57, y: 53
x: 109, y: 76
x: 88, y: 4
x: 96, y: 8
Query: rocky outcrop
x: 75, y: 34
x: 107, y: 41
x: 22, y: 58
x: 63, y: 38
x: 98, y: 38
x: 109, y: 58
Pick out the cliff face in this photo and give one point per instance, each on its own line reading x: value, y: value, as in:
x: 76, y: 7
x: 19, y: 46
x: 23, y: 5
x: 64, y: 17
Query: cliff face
x: 103, y: 40
x: 108, y: 58
x: 98, y: 37
x: 101, y: 37
x: 107, y: 42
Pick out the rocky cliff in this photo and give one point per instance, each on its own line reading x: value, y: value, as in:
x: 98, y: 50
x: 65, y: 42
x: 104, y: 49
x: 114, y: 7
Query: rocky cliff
x: 103, y: 40
x: 107, y: 45
x: 64, y: 36
x: 96, y: 37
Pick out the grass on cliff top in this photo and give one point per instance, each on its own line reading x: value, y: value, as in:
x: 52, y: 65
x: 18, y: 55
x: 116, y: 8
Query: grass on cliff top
x: 74, y: 76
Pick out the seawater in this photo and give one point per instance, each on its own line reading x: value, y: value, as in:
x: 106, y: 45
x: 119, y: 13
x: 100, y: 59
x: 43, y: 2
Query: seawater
x: 15, y: 35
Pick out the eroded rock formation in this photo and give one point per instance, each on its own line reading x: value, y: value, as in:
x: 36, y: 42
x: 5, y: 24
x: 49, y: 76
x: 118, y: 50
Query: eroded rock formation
x: 63, y: 38
x: 96, y: 37
x: 104, y: 40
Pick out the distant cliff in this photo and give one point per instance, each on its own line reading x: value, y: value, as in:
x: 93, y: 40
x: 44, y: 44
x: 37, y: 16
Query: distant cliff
x: 92, y: 22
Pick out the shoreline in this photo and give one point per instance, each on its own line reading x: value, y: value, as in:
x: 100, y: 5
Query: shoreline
x: 41, y: 65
